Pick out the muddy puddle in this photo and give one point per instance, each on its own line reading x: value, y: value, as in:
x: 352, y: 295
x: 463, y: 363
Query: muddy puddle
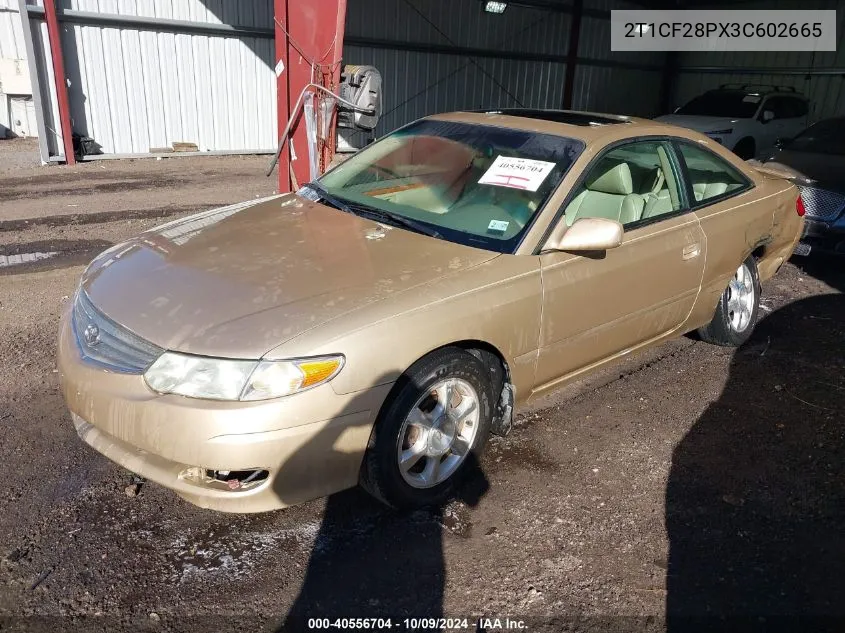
x: 48, y: 255
x: 37, y: 187
x: 53, y: 221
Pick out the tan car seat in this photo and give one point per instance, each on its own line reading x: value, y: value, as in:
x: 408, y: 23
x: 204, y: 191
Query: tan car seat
x: 610, y: 196
x: 666, y: 198
x: 706, y: 184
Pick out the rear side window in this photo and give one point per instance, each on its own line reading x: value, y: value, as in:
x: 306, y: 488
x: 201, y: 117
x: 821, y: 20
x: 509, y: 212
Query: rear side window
x: 786, y: 107
x: 799, y: 107
x: 710, y: 177
x: 780, y: 106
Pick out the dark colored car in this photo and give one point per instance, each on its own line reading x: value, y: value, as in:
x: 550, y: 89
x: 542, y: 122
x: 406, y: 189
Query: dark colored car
x: 818, y: 153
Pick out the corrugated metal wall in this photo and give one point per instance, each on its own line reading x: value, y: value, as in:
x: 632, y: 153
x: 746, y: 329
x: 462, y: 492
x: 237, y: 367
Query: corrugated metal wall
x: 14, y: 74
x: 11, y: 31
x: 615, y: 90
x: 132, y: 89
x: 421, y: 82
x: 827, y: 92
x: 136, y: 88
x: 418, y: 83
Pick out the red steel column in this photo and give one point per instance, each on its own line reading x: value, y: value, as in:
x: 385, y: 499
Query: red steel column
x: 283, y: 105
x: 61, y: 82
x: 311, y: 52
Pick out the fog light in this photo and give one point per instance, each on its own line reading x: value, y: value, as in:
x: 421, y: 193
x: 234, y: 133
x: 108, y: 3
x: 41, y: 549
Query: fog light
x: 225, y: 479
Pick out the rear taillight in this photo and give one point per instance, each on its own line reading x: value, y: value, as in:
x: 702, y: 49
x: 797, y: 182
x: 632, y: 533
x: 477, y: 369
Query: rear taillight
x: 799, y: 207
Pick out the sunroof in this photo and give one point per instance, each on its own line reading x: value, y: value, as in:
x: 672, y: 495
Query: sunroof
x: 562, y: 116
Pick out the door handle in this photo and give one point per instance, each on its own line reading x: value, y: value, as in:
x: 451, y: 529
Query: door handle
x: 691, y: 250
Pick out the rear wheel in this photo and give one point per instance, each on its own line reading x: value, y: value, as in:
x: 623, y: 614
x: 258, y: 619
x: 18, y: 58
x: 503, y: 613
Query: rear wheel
x: 738, y: 308
x: 429, y: 434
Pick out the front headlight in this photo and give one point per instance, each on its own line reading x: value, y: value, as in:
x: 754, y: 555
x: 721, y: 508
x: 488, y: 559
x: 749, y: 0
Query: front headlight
x: 225, y: 379
x: 729, y: 130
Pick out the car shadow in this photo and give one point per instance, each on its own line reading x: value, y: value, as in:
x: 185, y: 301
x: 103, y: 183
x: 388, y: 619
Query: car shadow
x: 369, y: 561
x: 755, y: 501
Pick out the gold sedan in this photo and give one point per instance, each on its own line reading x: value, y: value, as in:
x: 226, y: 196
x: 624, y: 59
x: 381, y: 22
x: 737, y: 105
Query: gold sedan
x: 376, y: 326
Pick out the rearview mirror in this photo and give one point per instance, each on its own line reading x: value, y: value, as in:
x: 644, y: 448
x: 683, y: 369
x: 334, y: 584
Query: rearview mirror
x: 768, y: 115
x: 585, y: 234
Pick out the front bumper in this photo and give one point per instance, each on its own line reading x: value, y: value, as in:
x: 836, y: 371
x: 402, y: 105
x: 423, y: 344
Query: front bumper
x: 311, y: 443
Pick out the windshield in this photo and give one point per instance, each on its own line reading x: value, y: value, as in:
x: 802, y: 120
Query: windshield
x: 472, y: 184
x: 723, y: 103
x: 825, y: 137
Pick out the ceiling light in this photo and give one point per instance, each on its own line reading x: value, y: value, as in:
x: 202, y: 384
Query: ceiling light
x: 495, y: 7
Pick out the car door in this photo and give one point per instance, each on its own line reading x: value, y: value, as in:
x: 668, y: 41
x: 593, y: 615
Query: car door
x: 771, y: 131
x: 596, y: 307
x: 797, y: 119
x: 731, y: 214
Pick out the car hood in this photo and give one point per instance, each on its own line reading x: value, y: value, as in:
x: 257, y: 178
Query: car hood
x: 827, y: 170
x: 238, y: 281
x: 699, y: 123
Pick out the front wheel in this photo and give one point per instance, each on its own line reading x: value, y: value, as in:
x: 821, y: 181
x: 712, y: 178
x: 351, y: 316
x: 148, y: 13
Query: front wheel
x: 738, y: 308
x: 431, y: 431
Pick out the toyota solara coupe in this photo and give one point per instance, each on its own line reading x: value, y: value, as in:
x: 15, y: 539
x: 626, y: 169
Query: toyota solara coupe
x: 379, y: 324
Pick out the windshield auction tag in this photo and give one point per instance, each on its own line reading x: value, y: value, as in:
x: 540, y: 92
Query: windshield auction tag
x: 516, y: 173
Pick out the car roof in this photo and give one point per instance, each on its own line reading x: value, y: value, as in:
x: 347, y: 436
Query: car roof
x: 571, y: 117
x: 758, y: 90
x: 584, y: 126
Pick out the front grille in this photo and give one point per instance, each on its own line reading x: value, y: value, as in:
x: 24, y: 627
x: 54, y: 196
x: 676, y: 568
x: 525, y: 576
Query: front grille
x: 107, y: 344
x: 822, y: 204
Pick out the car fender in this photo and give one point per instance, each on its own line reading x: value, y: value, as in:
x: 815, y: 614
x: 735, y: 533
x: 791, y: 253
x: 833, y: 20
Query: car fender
x: 498, y: 303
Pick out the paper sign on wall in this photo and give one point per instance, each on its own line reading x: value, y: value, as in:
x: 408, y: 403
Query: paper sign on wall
x: 516, y: 173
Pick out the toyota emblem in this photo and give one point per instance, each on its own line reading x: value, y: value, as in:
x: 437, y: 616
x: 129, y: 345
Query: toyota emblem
x: 91, y: 335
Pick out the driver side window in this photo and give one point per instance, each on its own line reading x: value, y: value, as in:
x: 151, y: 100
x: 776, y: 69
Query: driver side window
x: 631, y: 184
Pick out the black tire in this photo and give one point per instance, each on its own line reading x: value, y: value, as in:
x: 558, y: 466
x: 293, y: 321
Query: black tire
x: 746, y: 148
x: 380, y: 473
x: 722, y: 329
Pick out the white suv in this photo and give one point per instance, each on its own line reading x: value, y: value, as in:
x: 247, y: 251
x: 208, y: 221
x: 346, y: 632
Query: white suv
x: 745, y: 118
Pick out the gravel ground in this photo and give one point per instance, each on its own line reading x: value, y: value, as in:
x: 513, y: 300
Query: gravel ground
x: 688, y: 483
x: 17, y: 154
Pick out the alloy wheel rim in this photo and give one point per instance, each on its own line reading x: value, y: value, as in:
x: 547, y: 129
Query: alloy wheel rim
x: 438, y: 433
x: 741, y: 297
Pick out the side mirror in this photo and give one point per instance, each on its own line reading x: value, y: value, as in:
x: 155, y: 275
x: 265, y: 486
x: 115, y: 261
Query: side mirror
x: 768, y: 115
x: 585, y: 234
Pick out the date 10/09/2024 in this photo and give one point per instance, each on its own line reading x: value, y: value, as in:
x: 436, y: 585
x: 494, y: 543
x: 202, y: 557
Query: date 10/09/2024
x: 478, y: 625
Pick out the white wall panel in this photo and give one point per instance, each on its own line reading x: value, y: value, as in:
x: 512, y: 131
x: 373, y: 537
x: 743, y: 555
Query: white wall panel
x: 46, y: 79
x: 133, y: 89
x: 11, y: 32
x: 258, y: 13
